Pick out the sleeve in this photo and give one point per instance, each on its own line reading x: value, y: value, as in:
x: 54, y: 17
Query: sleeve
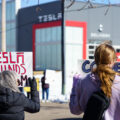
x: 42, y: 79
x: 74, y: 104
x: 32, y: 105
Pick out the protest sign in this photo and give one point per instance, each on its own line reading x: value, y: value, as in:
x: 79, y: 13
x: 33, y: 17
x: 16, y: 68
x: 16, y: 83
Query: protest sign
x: 86, y: 66
x: 79, y: 68
x: 20, y: 62
x: 83, y: 68
x: 54, y: 78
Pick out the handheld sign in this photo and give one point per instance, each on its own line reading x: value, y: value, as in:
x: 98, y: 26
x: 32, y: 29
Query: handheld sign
x: 20, y: 62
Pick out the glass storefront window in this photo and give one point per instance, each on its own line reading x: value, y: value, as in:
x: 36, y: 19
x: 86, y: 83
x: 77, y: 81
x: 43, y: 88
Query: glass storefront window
x: 54, y: 34
x: 48, y: 48
x: 48, y: 33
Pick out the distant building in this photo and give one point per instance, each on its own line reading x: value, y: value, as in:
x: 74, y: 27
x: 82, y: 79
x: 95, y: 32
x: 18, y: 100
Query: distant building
x: 40, y: 32
x: 12, y: 7
x: 84, y: 28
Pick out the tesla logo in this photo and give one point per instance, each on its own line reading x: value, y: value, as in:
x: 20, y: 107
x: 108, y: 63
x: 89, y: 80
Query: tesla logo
x: 50, y: 17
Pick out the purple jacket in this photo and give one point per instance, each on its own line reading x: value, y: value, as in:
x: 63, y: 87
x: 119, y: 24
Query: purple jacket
x: 83, y: 89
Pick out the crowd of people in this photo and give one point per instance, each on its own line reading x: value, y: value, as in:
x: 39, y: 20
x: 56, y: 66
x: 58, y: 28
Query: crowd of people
x: 13, y: 103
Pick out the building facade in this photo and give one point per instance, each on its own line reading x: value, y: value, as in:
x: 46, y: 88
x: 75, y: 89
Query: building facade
x: 84, y: 29
x: 40, y: 32
x: 102, y: 24
x: 12, y: 7
x: 60, y: 36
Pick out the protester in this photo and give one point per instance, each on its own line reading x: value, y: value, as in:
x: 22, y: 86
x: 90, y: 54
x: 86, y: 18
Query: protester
x: 45, y: 89
x: 102, y: 77
x: 13, y: 103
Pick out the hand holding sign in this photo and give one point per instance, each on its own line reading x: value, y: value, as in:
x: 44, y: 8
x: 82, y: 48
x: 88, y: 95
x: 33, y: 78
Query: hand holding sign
x: 33, y: 84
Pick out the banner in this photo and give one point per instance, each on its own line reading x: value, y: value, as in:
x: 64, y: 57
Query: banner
x: 20, y: 62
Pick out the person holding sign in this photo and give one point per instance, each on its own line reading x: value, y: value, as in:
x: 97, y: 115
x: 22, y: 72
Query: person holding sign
x: 104, y: 78
x: 45, y: 88
x: 13, y: 103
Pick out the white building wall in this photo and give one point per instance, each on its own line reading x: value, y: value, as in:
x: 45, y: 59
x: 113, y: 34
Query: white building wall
x: 73, y: 52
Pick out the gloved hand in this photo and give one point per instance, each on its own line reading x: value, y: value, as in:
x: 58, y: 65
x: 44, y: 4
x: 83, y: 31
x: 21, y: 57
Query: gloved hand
x: 33, y: 84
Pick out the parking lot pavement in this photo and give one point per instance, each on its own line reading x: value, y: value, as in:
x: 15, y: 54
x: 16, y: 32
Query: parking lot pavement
x: 53, y: 111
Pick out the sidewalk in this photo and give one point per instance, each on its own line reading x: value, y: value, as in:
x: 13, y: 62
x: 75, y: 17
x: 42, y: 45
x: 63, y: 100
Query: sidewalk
x: 53, y: 111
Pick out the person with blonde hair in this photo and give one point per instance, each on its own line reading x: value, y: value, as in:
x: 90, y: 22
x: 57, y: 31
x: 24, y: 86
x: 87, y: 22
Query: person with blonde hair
x: 13, y: 103
x: 102, y: 77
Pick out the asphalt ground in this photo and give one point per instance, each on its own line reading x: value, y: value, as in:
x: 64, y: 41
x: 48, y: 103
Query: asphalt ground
x: 53, y: 111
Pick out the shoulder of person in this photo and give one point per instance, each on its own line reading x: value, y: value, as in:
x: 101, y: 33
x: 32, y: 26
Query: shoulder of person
x: 13, y: 98
x: 43, y: 78
x: 88, y: 78
x: 117, y: 77
x: 84, y: 77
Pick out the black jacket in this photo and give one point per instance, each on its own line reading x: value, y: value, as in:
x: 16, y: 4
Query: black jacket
x: 44, y: 85
x: 13, y: 104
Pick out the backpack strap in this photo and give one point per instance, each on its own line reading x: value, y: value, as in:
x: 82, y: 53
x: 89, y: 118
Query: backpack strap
x: 97, y: 104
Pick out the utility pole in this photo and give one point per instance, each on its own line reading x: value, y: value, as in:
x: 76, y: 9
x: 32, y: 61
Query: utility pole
x: 62, y: 47
x: 3, y: 23
x: 38, y: 2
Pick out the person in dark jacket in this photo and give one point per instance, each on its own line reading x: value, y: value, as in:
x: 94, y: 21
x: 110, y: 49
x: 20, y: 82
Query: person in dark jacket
x: 13, y: 103
x: 45, y: 88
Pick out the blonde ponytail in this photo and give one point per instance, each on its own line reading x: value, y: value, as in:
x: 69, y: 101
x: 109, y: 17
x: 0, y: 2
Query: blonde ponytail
x: 105, y: 56
x: 106, y: 75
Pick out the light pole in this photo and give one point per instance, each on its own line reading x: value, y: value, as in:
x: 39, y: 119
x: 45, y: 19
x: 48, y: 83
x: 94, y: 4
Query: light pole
x: 62, y: 48
x: 3, y: 23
